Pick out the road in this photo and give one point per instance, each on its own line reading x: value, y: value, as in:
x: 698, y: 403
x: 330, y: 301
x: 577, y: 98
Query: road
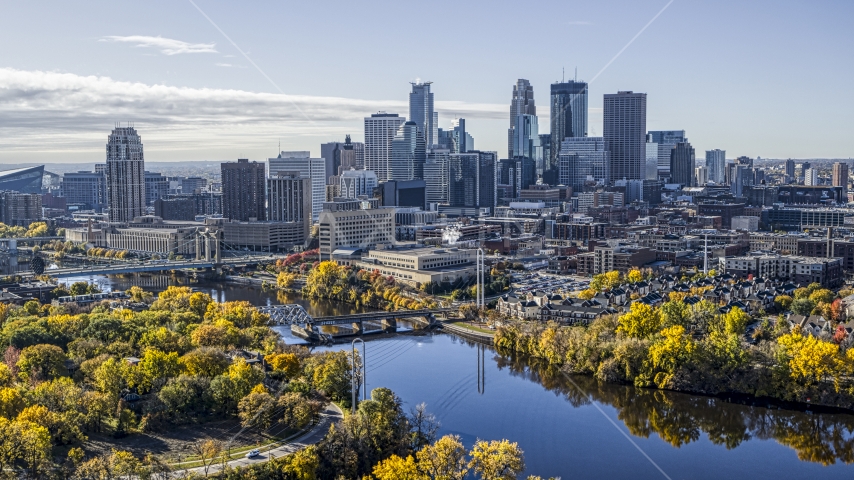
x: 331, y: 414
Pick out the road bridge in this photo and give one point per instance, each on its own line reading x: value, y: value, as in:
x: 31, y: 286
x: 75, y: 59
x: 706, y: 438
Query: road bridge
x: 124, y: 268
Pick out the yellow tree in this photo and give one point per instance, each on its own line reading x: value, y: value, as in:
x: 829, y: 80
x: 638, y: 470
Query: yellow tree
x: 641, y: 321
x: 303, y: 464
x: 670, y: 353
x: 397, y: 468
x: 285, y: 362
x: 444, y: 460
x: 634, y: 276
x: 497, y: 460
x: 810, y: 360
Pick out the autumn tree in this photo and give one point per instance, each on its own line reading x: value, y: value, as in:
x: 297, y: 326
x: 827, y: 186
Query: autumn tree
x: 640, y: 321
x: 444, y: 460
x: 207, y: 451
x: 497, y: 460
x: 397, y: 468
x: 41, y: 362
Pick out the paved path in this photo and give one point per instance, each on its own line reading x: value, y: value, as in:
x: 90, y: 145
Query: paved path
x: 331, y: 414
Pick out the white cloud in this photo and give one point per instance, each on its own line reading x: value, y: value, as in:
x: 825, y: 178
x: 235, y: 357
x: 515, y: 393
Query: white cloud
x: 46, y: 113
x: 167, y: 46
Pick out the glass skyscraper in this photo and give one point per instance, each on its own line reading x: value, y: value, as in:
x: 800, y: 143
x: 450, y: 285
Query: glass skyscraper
x: 568, y: 116
x: 625, y: 134
x: 407, y: 153
x: 421, y: 112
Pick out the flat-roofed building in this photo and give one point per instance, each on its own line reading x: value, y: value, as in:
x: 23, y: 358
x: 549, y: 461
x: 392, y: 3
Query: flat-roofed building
x: 422, y: 265
x: 353, y: 223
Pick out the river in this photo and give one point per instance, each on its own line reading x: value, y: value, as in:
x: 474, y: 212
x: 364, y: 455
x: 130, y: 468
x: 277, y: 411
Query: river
x: 575, y: 427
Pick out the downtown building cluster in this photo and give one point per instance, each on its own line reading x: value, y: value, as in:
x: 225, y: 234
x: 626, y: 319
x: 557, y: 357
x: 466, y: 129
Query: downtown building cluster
x: 559, y: 200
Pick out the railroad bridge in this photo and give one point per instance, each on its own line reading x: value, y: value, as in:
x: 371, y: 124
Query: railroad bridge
x: 293, y: 314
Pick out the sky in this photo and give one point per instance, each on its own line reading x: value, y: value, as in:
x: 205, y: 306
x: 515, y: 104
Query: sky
x: 218, y: 80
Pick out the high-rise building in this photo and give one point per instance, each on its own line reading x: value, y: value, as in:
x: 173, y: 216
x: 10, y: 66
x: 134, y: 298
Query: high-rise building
x: 716, y: 164
x: 243, y: 190
x: 526, y: 140
x: 471, y: 179
x: 839, y: 177
x: 408, y: 153
x: 584, y: 159
x: 518, y: 172
x: 522, y: 103
x: 568, y: 115
x: 313, y: 168
x: 790, y: 170
x: 20, y: 209
x: 355, y: 224
x: 651, y: 168
x: 402, y: 193
x: 191, y: 184
x: 357, y: 182
x: 289, y: 196
x: 85, y: 191
x: 380, y: 129
x: 682, y: 164
x: 665, y: 140
x: 436, y: 176
x: 701, y: 175
x: 811, y: 177
x: 625, y: 134
x: 421, y: 112
x: 125, y: 175
x: 464, y: 141
x: 340, y: 157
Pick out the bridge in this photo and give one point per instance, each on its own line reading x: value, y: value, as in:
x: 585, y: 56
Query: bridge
x: 304, y: 324
x: 124, y: 268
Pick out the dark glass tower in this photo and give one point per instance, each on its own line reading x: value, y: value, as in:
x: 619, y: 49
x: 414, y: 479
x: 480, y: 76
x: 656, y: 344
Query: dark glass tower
x: 568, y: 119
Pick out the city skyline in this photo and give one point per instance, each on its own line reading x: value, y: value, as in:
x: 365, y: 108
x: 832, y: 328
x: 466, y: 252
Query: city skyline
x: 198, y: 98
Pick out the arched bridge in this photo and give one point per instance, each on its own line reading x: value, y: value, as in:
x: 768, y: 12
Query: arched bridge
x: 295, y: 315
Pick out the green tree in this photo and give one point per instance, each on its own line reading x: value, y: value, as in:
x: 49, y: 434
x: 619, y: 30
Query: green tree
x: 205, y: 362
x: 156, y: 367
x: 256, y: 410
x: 803, y: 306
x: 41, y: 362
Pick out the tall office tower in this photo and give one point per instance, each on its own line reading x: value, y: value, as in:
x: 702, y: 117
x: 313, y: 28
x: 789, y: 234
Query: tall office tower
x: 125, y: 175
x: 464, y: 141
x: 471, y: 179
x: 716, y: 163
x: 737, y: 178
x: 357, y: 182
x: 289, y: 197
x: 811, y: 177
x: 701, y: 175
x: 625, y: 134
x: 380, y: 129
x: 568, y: 115
x: 839, y: 177
x: 665, y: 140
x: 522, y: 103
x: 340, y: 157
x: 743, y: 161
x: 582, y: 160
x: 421, y: 112
x: 546, y: 143
x: 436, y: 176
x: 682, y: 164
x: 243, y: 190
x: 313, y: 168
x: 790, y: 170
x: 526, y: 140
x: 407, y: 153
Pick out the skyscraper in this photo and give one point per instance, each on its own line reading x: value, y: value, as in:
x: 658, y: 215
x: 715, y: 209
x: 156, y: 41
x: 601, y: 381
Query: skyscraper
x: 682, y: 164
x: 125, y: 175
x: 522, y: 103
x: 340, y: 157
x: 625, y: 134
x: 790, y: 170
x: 518, y: 172
x: 665, y: 140
x: 583, y: 159
x: 839, y: 177
x: 421, y: 112
x: 380, y: 129
x: 462, y: 138
x: 436, y: 176
x: 313, y: 168
x: 568, y: 116
x: 471, y: 179
x: 716, y: 164
x: 526, y: 139
x: 289, y: 195
x: 407, y: 153
x: 811, y: 177
x: 243, y: 190
x: 357, y: 182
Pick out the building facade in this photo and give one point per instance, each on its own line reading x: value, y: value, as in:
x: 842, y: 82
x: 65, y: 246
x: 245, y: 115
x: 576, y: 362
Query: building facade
x: 408, y: 153
x: 243, y: 190
x: 355, y: 224
x: 312, y: 168
x: 568, y: 110
x: 716, y: 163
x: 682, y: 165
x: 624, y: 132
x: 125, y: 175
x: 380, y: 130
x: 422, y: 113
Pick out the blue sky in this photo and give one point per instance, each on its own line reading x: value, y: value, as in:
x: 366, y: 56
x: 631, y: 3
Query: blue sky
x: 757, y: 78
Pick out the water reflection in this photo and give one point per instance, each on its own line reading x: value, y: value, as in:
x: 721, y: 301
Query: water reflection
x: 680, y: 419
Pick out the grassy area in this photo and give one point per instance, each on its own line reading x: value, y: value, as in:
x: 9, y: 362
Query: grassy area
x: 473, y: 328
x: 191, y: 461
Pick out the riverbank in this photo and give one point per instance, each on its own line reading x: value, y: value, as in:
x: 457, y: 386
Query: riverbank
x: 467, y: 331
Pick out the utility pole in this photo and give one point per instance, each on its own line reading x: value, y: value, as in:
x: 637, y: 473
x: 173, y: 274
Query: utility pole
x: 353, y: 388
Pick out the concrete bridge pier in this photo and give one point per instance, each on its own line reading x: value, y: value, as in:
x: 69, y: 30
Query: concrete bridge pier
x: 390, y: 325
x: 357, y: 328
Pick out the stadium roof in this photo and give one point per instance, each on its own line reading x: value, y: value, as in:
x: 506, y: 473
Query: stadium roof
x: 24, y: 180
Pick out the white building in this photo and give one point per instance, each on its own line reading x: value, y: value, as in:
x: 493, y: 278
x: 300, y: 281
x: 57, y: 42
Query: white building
x: 346, y: 223
x: 746, y: 223
x: 380, y: 129
x: 811, y: 177
x: 716, y: 163
x: 357, y: 182
x: 313, y: 168
x: 702, y: 175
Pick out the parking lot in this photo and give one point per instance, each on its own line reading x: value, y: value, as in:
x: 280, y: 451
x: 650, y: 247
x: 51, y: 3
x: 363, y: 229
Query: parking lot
x: 525, y: 282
